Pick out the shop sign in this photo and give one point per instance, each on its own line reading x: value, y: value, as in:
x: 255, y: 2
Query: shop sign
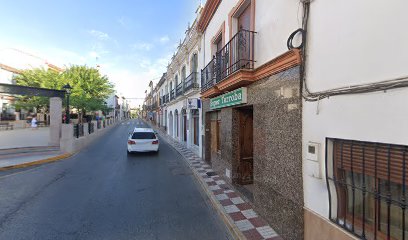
x: 236, y: 97
x: 193, y: 103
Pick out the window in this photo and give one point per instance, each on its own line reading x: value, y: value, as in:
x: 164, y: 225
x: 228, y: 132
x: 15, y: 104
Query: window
x: 218, y: 44
x: 367, y: 185
x: 196, y: 127
x: 143, y: 135
x: 194, y: 63
x: 183, y: 74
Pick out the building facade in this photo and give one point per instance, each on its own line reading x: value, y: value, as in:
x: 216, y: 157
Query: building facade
x: 180, y: 94
x: 113, y: 104
x: 250, y: 88
x: 311, y: 133
x: 355, y: 120
x: 14, y: 62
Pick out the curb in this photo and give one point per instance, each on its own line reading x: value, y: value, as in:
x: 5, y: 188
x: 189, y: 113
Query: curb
x: 38, y: 162
x: 235, y: 232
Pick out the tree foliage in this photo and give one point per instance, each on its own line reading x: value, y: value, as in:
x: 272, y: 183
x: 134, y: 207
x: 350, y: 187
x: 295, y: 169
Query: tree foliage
x: 89, y: 93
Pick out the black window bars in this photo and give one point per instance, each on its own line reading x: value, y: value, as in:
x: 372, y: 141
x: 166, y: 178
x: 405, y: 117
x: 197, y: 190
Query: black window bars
x: 367, y: 188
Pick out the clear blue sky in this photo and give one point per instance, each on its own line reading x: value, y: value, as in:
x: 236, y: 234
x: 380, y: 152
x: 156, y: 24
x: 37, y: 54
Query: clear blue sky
x: 132, y: 40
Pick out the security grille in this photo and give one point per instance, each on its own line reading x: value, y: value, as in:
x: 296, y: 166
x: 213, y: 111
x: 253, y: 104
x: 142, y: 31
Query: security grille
x: 367, y: 188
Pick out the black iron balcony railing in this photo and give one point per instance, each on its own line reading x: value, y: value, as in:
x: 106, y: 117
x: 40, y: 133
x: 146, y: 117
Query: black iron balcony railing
x: 237, y: 54
x: 167, y: 97
x: 154, y: 105
x: 172, y: 94
x: 179, y: 89
x: 208, y: 76
x: 191, y: 82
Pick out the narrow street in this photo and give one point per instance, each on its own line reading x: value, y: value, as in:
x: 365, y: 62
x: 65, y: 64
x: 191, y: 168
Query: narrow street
x: 102, y: 193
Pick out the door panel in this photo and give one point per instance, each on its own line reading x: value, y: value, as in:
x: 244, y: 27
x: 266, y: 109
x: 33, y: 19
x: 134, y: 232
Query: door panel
x: 185, y: 128
x: 246, y: 147
x: 244, y: 38
x: 244, y: 20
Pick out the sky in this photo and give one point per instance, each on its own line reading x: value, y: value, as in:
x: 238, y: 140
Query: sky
x: 131, y: 40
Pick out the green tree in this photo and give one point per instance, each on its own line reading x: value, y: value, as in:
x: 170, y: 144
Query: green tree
x: 36, y: 78
x: 90, y: 88
x: 89, y: 93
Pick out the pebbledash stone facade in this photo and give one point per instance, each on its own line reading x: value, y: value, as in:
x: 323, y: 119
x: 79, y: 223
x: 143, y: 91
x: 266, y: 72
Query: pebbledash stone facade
x: 277, y: 149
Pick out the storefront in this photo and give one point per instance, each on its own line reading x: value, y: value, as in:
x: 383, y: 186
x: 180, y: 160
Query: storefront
x: 253, y: 140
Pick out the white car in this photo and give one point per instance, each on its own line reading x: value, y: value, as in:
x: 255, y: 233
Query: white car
x: 143, y: 140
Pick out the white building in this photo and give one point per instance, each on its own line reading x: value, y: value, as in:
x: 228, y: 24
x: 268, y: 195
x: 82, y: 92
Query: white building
x: 355, y: 120
x: 113, y: 104
x: 182, y: 111
x: 13, y: 62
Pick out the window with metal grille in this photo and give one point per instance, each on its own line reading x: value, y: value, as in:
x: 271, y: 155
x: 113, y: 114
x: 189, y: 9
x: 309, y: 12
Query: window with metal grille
x: 367, y: 188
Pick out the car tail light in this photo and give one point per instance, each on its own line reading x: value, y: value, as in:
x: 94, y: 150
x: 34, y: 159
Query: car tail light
x: 155, y: 142
x: 131, y: 142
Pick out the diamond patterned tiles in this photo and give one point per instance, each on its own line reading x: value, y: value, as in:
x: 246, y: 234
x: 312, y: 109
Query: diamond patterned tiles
x: 240, y: 212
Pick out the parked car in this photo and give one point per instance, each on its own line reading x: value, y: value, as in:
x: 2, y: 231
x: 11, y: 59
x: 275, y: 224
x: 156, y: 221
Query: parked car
x: 142, y: 140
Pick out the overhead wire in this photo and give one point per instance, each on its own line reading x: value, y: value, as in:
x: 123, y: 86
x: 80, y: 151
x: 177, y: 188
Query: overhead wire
x: 308, y: 95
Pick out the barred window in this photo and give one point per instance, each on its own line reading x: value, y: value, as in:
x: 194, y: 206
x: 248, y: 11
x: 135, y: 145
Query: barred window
x: 367, y: 188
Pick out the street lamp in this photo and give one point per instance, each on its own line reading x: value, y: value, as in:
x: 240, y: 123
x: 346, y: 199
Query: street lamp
x: 67, y: 88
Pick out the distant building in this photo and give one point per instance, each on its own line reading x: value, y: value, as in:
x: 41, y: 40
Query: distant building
x: 13, y: 62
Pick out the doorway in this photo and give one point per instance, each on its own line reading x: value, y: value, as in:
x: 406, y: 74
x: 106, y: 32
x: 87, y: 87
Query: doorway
x: 246, y: 150
x: 185, y: 124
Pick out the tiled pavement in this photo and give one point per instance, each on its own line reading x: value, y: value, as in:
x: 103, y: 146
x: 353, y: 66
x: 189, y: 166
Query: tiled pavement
x: 252, y: 226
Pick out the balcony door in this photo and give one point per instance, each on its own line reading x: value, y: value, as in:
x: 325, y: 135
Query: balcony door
x: 244, y: 50
x: 244, y: 19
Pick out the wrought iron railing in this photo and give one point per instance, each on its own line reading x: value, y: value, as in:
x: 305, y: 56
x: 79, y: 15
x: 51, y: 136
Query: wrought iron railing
x: 179, y: 89
x: 208, y: 75
x: 78, y: 130
x: 172, y: 94
x: 167, y: 98
x: 191, y: 82
x: 91, y: 127
x: 237, y: 54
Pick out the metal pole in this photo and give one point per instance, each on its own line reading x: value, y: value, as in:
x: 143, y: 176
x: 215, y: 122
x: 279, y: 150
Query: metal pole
x: 67, y: 111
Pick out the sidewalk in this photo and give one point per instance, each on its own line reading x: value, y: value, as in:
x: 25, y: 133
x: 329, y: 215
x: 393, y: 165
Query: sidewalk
x: 13, y: 161
x: 238, y: 214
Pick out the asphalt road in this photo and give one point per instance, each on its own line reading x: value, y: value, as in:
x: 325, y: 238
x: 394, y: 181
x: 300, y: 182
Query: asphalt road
x: 102, y: 193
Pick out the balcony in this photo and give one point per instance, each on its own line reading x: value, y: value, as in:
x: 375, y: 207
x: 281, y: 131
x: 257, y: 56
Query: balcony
x: 208, y: 76
x: 172, y: 94
x: 179, y: 90
x: 237, y: 54
x: 191, y: 82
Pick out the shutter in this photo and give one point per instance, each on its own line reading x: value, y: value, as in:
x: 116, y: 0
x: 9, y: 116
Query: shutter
x: 385, y: 161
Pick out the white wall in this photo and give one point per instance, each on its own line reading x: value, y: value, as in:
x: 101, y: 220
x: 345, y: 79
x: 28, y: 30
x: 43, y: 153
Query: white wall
x: 6, y: 76
x: 275, y: 20
x: 354, y: 42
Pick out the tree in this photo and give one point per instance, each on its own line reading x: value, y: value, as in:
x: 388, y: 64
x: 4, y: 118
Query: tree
x: 36, y: 78
x: 90, y: 88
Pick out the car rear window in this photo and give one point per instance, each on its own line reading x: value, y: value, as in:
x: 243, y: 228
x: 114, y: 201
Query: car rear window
x: 143, y: 135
